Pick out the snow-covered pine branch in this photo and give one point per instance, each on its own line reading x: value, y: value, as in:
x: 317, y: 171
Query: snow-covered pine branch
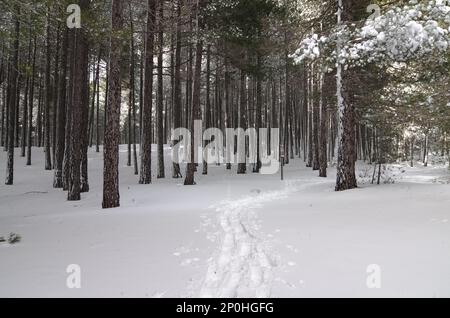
x: 416, y: 30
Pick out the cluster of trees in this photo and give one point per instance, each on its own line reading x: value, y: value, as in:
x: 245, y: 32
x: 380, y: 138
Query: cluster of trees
x: 227, y: 62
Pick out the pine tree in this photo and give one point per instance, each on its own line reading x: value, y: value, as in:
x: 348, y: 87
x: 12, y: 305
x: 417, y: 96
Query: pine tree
x: 196, y: 107
x: 111, y: 196
x: 12, y: 98
x: 146, y: 141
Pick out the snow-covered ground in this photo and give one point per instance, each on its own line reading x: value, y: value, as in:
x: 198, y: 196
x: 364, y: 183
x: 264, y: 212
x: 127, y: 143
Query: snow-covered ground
x: 230, y: 235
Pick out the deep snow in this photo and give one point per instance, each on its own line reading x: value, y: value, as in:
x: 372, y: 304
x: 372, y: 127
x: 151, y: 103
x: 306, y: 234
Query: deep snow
x: 229, y: 236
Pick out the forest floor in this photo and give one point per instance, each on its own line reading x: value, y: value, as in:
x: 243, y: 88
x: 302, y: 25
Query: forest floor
x: 230, y: 235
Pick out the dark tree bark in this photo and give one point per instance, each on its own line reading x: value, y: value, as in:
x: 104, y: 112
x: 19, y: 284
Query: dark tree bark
x: 176, y: 172
x: 55, y: 97
x: 7, y: 101
x: 39, y: 114
x: 69, y: 109
x: 242, y: 165
x: 97, y: 116
x: 129, y: 125
x: 61, y: 115
x: 23, y: 138
x: 228, y: 119
x: 94, y: 96
x: 132, y: 99
x: 208, y: 109
x: 160, y: 105
x: 111, y: 196
x: 188, y: 87
x: 326, y: 87
x: 146, y: 143
x: 12, y: 98
x: 30, y: 105
x: 196, y: 107
x: 258, y: 119
x: 78, y: 103
x: 17, y: 124
x: 25, y: 103
x: 141, y: 92
x: 48, y: 98
x: 346, y: 178
x: 3, y: 100
x: 310, y: 121
x: 287, y: 102
x: 84, y: 187
x: 316, y: 120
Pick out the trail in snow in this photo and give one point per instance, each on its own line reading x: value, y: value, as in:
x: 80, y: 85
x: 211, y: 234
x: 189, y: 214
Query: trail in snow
x: 243, y: 266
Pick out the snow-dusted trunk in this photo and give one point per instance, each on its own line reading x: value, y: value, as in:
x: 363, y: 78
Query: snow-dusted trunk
x: 345, y: 169
x: 23, y: 139
x: 425, y: 151
x: 309, y: 119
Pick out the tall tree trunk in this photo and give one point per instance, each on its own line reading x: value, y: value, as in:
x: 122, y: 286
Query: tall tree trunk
x: 97, y: 116
x: 176, y: 172
x: 48, y: 98
x: 39, y: 114
x: 242, y: 166
x: 3, y: 99
x: 310, y: 118
x: 324, y: 89
x: 345, y: 178
x: 7, y: 102
x: 132, y: 94
x: 12, y: 98
x: 425, y: 151
x: 23, y: 138
x: 196, y: 107
x: 111, y: 196
x: 160, y: 105
x: 94, y: 97
x: 316, y: 118
x: 17, y: 124
x: 61, y: 115
x: 30, y: 105
x: 77, y: 116
x: 129, y: 127
x: 146, y: 143
x: 84, y: 187
x: 55, y: 96
x: 208, y: 110
x: 348, y: 11
x: 72, y: 60
x: 25, y: 104
x: 258, y: 119
x: 228, y: 118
